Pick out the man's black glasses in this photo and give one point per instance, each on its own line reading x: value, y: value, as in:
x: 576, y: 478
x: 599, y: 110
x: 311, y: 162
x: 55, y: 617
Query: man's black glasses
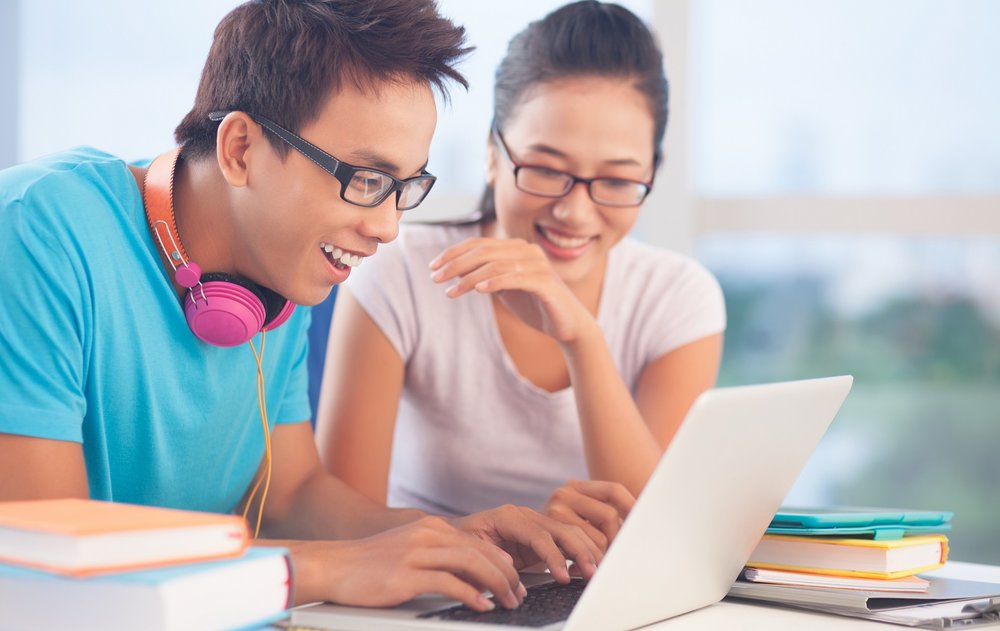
x: 361, y: 186
x: 546, y: 182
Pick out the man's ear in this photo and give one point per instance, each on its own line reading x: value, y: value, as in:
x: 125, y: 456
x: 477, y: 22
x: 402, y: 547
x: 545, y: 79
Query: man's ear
x: 237, y: 132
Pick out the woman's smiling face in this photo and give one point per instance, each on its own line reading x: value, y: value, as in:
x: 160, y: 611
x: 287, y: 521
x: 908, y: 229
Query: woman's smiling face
x: 589, y: 127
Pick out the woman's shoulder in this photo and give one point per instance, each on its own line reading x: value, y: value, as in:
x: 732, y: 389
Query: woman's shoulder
x: 674, y: 298
x: 412, y: 251
x: 653, y: 278
x: 636, y: 258
x: 424, y: 238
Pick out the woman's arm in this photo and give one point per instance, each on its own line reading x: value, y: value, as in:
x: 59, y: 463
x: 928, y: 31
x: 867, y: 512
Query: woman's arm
x: 362, y: 385
x: 624, y: 437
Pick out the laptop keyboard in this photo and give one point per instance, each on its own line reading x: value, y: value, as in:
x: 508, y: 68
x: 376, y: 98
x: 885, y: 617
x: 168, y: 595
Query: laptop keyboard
x: 544, y: 604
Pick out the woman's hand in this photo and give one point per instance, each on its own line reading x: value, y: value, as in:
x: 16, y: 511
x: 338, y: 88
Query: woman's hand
x: 521, y: 276
x: 534, y: 539
x: 595, y: 506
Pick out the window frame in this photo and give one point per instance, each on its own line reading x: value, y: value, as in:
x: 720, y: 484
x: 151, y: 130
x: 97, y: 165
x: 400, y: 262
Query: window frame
x: 682, y: 215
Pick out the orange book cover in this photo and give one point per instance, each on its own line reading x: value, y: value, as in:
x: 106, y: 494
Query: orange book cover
x: 81, y: 537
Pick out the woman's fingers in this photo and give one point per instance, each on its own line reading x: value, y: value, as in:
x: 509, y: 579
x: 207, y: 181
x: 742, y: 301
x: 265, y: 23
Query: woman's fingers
x: 568, y: 515
x: 612, y: 493
x: 468, y: 256
x: 533, y: 536
x: 603, y: 505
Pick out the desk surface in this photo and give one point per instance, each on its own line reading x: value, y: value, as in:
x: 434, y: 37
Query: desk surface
x: 747, y: 616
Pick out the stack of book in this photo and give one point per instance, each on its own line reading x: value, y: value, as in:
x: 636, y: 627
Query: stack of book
x: 868, y: 549
x: 87, y: 564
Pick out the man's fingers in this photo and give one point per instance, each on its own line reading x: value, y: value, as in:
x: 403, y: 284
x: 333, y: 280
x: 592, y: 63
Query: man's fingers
x: 471, y: 566
x: 450, y: 586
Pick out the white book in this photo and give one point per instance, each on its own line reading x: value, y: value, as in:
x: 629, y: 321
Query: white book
x: 226, y: 594
x: 805, y: 579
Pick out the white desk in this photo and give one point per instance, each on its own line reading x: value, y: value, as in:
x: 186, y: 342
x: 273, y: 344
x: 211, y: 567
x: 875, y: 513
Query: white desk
x: 750, y: 616
x: 747, y: 616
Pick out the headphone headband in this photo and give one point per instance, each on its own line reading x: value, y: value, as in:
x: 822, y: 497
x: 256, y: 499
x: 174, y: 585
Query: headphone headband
x: 225, y: 310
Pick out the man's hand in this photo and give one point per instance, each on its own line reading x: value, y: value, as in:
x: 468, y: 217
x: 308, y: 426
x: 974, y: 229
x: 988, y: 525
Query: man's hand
x: 426, y: 556
x: 531, y: 537
x: 595, y: 506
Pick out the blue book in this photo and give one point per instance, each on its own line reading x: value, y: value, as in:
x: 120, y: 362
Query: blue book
x: 841, y: 521
x: 242, y: 592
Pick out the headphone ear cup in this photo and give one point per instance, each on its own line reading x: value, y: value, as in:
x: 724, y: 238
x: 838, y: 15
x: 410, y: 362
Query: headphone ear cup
x: 281, y: 317
x: 278, y: 308
x: 230, y: 314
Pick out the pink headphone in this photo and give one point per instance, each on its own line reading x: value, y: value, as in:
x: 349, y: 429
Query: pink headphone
x: 221, y: 309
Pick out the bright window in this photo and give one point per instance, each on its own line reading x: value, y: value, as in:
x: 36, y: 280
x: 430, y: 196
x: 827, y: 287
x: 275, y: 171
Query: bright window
x: 846, y: 191
x: 846, y: 97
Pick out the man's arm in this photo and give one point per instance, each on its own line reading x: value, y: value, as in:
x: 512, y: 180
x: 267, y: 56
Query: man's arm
x: 305, y: 502
x: 36, y: 468
x: 460, y: 558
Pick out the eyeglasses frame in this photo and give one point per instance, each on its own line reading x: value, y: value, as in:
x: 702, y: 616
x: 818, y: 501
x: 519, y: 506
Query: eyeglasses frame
x: 339, y: 169
x: 505, y: 150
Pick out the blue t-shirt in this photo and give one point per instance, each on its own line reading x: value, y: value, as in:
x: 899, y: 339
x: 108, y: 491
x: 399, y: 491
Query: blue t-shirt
x: 94, y: 347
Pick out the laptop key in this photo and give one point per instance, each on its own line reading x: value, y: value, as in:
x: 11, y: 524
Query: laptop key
x: 544, y: 604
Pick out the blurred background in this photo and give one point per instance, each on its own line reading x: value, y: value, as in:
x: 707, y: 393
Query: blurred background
x: 836, y: 163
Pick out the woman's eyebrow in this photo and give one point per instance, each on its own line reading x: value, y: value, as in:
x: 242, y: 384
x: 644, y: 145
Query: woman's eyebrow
x: 550, y: 150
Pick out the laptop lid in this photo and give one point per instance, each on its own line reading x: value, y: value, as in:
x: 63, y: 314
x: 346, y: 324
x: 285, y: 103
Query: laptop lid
x: 700, y: 516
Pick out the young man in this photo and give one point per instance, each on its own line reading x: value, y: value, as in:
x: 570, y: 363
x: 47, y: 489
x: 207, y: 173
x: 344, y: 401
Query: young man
x: 107, y: 392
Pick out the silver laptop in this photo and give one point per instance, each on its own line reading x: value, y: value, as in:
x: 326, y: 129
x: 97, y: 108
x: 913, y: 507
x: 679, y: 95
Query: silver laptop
x: 699, y: 517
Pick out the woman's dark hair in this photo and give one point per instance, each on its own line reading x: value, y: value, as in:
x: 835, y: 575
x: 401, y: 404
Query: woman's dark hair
x: 581, y: 39
x: 281, y: 59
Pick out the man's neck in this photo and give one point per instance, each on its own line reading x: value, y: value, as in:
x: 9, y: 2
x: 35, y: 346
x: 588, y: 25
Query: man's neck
x: 201, y: 212
x: 204, y: 219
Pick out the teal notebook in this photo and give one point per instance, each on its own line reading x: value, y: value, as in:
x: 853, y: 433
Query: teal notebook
x: 878, y: 523
x: 238, y: 593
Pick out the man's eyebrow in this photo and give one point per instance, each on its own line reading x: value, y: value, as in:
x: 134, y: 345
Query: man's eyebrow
x: 552, y: 151
x: 368, y: 158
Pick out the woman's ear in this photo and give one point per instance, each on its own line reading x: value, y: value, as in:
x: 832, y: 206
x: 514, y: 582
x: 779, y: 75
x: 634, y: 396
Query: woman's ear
x: 491, y: 161
x: 233, y: 140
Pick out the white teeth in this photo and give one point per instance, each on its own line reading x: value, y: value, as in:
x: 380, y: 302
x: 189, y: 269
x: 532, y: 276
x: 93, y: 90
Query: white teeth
x: 566, y: 242
x: 340, y: 257
x: 346, y: 258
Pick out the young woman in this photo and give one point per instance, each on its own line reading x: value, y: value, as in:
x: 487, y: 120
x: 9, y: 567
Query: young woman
x: 493, y: 361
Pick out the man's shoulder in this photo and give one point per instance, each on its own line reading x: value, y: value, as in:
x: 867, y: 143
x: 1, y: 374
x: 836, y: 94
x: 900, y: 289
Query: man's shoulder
x: 56, y: 175
x: 81, y: 191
